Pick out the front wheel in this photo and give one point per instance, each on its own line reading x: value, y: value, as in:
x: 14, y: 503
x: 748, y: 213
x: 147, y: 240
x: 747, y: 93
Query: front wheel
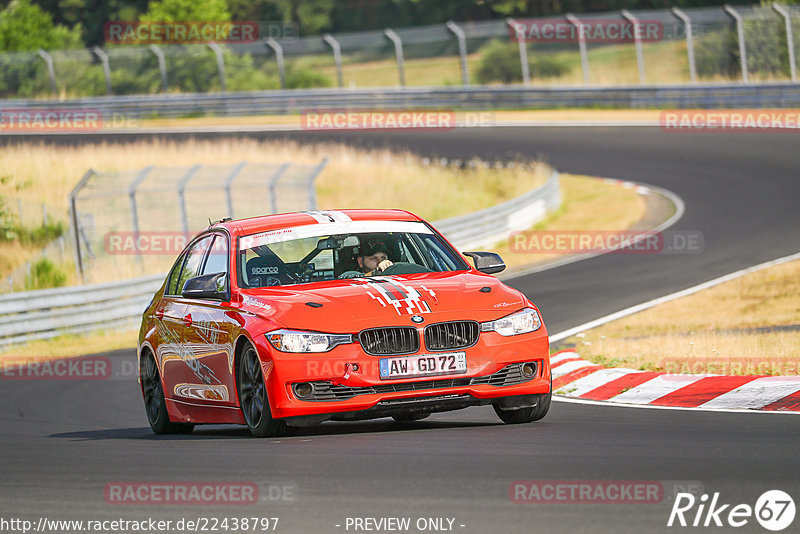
x: 527, y: 415
x: 154, y: 403
x: 253, y: 397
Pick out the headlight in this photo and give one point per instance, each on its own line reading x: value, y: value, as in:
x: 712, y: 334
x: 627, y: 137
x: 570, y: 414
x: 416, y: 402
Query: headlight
x: 521, y: 322
x: 299, y: 341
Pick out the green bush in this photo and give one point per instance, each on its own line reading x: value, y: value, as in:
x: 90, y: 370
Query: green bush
x: 192, y: 71
x: 45, y: 274
x: 11, y: 230
x: 500, y: 63
x: 717, y: 53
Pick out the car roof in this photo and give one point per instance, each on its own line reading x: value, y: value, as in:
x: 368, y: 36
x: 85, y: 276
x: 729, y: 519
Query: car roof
x: 302, y: 218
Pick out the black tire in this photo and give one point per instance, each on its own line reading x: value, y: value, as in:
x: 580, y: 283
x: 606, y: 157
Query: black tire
x: 527, y: 415
x: 253, y: 397
x: 409, y: 417
x: 154, y: 404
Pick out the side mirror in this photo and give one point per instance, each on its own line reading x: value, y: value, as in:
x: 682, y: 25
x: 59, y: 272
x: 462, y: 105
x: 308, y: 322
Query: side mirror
x: 487, y: 262
x: 208, y: 286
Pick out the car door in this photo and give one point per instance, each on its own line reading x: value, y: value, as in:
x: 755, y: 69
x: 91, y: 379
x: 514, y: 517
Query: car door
x: 210, y: 332
x: 180, y: 366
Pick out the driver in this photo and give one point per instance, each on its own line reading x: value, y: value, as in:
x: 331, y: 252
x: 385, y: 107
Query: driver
x: 373, y: 257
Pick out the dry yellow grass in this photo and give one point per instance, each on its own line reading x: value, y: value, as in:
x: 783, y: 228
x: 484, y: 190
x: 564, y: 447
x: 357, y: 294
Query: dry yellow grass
x: 712, y: 331
x: 354, y: 178
x: 549, y: 115
x: 587, y: 204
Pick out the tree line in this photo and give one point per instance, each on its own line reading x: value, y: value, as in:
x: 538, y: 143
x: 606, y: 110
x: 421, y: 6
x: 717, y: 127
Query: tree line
x: 54, y: 24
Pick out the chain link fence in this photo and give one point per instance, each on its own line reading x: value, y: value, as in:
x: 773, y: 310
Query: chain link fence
x: 129, y: 223
x: 755, y: 43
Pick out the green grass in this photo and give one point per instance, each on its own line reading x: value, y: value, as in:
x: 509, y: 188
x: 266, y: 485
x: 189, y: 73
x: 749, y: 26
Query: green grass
x: 665, y: 62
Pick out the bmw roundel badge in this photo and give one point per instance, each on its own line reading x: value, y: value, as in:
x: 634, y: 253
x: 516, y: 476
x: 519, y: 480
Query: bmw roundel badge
x: 417, y: 319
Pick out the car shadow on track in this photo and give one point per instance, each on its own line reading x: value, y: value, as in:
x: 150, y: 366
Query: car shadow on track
x: 233, y: 431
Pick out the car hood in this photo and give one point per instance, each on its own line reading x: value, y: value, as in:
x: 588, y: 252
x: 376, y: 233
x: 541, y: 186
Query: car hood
x: 348, y: 306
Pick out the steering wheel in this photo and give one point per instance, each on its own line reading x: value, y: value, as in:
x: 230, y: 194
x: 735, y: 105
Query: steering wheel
x: 403, y: 267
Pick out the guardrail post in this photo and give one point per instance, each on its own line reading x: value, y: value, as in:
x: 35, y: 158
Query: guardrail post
x: 789, y: 38
x: 572, y: 19
x: 229, y: 185
x: 51, y: 71
x: 162, y: 65
x: 73, y: 216
x: 687, y: 24
x: 278, y: 49
x: 740, y: 37
x: 312, y: 192
x: 134, y: 211
x: 273, y: 186
x: 637, y: 42
x: 519, y: 33
x: 462, y: 50
x: 103, y: 57
x: 398, y: 54
x: 182, y: 196
x: 220, y: 64
x: 337, y: 56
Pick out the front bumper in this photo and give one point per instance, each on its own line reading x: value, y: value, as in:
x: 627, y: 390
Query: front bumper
x: 347, y: 380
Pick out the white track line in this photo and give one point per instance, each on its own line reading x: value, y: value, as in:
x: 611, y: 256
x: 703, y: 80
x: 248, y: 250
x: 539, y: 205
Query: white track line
x: 677, y: 202
x: 667, y: 298
x: 750, y: 395
x: 571, y: 400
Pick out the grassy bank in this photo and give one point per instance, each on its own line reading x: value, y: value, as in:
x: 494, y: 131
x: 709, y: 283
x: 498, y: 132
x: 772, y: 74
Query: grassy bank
x: 354, y: 178
x: 745, y: 326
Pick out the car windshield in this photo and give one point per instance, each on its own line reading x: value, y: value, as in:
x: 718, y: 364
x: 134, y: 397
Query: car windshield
x: 313, y: 253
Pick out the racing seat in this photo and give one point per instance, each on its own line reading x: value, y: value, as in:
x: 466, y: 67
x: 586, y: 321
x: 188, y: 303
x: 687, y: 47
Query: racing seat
x: 266, y: 271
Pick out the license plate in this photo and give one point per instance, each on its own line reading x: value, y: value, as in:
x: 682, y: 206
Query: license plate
x: 424, y: 365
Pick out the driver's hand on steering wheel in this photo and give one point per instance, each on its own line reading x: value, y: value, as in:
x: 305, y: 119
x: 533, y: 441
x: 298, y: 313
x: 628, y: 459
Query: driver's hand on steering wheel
x: 382, y: 266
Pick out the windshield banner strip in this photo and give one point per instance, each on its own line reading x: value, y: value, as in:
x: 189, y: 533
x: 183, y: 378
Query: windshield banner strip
x: 319, y: 230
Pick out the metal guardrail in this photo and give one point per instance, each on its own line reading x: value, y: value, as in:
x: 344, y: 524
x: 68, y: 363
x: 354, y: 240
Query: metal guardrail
x: 713, y: 95
x: 48, y: 313
x: 491, y: 225
x: 717, y: 41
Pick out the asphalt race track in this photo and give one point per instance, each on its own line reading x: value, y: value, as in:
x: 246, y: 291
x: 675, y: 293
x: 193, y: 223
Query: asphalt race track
x: 64, y: 441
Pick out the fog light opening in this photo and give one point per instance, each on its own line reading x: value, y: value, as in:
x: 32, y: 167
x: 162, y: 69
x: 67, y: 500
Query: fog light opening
x: 529, y: 369
x: 303, y: 390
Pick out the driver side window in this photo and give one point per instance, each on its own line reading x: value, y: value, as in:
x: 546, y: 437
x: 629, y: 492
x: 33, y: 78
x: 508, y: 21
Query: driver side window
x: 190, y: 266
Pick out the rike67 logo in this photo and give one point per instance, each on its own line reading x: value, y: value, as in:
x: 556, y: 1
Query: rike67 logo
x: 774, y: 510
